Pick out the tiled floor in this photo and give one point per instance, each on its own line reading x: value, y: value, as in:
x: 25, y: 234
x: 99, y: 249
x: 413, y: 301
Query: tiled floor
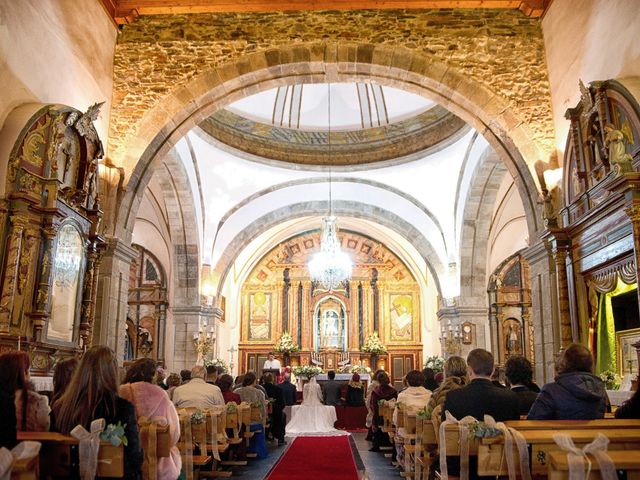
x: 376, y: 466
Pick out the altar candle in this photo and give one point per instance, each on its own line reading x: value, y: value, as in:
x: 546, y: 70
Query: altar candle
x: 19, y: 340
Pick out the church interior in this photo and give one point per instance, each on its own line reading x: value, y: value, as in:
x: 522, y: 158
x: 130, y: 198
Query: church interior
x: 174, y: 173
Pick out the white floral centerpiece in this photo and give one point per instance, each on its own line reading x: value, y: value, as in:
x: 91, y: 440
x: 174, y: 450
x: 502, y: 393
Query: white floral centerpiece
x: 218, y: 363
x: 360, y: 369
x: 306, y: 371
x: 373, y: 344
x: 435, y: 363
x: 286, y: 344
x: 611, y: 380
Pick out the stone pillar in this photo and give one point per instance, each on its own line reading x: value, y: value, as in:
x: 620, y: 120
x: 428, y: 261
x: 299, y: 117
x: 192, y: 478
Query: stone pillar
x: 544, y: 310
x: 112, y: 296
x: 561, y: 251
x: 187, y: 321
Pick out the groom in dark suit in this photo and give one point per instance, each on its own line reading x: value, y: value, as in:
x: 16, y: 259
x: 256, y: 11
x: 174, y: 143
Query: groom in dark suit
x: 480, y: 397
x: 332, y: 390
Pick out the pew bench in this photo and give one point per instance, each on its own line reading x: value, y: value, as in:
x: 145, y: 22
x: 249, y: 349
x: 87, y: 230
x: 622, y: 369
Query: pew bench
x: 627, y: 460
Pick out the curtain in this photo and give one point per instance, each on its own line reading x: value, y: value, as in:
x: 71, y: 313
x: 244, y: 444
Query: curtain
x: 606, y: 329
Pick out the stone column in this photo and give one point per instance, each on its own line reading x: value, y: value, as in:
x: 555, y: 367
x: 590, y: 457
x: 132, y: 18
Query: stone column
x: 544, y: 310
x: 112, y: 296
x: 560, y: 249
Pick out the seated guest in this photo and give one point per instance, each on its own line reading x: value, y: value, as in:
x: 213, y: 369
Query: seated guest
x: 455, y: 376
x: 225, y: 382
x: 480, y: 396
x: 212, y: 374
x: 576, y: 394
x: 173, y: 381
x: 31, y: 408
x: 152, y: 401
x: 185, y: 375
x: 415, y: 396
x: 289, y: 391
x: 355, y: 392
x: 277, y: 408
x: 430, y: 379
x: 331, y: 390
x: 251, y: 395
x: 367, y: 401
x: 92, y: 394
x: 197, y: 393
x: 630, y: 408
x: 383, y: 391
x: 62, y: 374
x: 161, y: 377
x: 519, y: 373
x: 495, y: 377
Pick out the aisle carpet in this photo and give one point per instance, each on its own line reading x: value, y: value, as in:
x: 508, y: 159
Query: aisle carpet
x: 313, y: 458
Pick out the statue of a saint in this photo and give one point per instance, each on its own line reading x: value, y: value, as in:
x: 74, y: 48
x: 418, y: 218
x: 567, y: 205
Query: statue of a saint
x: 512, y: 340
x: 618, y: 155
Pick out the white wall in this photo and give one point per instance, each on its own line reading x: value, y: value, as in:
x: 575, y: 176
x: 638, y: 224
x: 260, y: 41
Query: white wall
x: 56, y: 51
x: 588, y: 40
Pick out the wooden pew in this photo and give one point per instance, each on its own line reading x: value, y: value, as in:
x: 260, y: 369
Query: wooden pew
x: 628, y: 460
x: 156, y: 443
x: 59, y: 455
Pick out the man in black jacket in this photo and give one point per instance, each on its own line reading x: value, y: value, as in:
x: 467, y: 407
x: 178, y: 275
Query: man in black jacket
x: 480, y: 397
x: 288, y: 390
x: 277, y: 408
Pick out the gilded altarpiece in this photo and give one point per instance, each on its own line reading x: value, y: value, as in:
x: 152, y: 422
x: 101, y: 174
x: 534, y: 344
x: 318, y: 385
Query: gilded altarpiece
x: 330, y: 326
x: 49, y: 243
x: 595, y: 242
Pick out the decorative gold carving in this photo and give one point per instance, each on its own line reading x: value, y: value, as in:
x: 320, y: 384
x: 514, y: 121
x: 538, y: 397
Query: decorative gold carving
x: 25, y: 259
x: 34, y: 142
x: 585, y: 98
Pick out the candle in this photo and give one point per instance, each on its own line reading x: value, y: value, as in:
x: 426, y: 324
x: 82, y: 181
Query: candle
x: 19, y: 340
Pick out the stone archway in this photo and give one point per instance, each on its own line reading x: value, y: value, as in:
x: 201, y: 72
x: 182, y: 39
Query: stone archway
x: 168, y: 121
x: 342, y: 209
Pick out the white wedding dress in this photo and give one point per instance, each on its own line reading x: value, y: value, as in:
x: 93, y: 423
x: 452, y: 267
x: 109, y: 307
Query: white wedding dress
x: 312, y: 417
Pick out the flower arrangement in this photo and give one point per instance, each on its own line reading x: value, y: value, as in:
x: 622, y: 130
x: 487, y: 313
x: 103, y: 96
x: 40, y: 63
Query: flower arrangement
x: 482, y: 430
x: 307, y: 371
x: 360, y: 369
x: 373, y: 344
x: 114, y: 434
x: 435, y: 363
x: 286, y: 344
x: 197, y: 417
x: 424, y: 413
x: 232, y: 407
x: 220, y: 364
x: 611, y: 380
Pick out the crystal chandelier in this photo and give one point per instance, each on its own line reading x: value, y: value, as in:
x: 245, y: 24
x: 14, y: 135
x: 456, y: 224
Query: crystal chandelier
x: 330, y: 266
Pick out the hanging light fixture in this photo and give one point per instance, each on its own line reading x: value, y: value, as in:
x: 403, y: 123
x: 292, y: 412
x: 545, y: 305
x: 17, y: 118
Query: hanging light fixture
x: 330, y: 266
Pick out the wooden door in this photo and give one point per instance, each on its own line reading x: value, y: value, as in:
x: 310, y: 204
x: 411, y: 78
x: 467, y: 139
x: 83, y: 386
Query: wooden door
x: 255, y: 362
x: 401, y: 364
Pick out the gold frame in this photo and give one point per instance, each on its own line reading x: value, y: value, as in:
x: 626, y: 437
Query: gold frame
x: 628, y: 337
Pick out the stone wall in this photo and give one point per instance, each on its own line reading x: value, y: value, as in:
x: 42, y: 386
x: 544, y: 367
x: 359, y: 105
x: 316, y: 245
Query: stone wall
x: 501, y: 50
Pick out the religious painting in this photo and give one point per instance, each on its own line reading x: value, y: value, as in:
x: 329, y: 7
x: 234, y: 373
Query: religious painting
x: 401, y: 316
x: 512, y: 337
x: 259, y: 316
x: 68, y: 262
x: 627, y: 356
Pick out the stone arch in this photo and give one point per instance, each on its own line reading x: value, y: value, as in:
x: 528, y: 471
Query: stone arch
x: 476, y: 224
x: 342, y: 209
x: 181, y: 216
x: 168, y: 121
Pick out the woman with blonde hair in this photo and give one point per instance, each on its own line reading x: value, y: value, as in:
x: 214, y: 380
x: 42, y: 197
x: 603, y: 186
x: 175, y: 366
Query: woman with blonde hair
x: 455, y: 376
x: 92, y: 394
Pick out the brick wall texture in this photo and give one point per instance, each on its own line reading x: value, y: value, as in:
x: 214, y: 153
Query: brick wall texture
x: 502, y: 50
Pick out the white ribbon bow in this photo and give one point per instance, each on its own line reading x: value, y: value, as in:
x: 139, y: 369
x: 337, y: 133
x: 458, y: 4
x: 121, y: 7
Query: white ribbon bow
x: 511, y: 434
x: 89, y: 446
x: 576, y: 457
x: 22, y: 451
x: 463, y: 429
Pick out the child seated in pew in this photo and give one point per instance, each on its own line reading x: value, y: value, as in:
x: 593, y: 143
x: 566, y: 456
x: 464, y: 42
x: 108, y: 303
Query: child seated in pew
x: 519, y: 373
x: 92, y: 394
x: 150, y: 401
x: 31, y: 408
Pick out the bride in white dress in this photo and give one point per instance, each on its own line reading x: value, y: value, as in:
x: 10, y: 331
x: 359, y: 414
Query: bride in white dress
x: 312, y: 417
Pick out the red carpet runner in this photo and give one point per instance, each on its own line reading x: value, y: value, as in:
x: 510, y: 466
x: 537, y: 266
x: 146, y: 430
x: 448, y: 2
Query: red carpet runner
x: 313, y: 458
